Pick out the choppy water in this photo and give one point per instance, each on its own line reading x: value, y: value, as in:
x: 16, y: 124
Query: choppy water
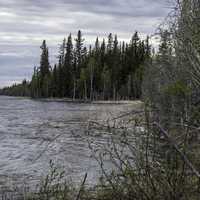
x: 34, y: 132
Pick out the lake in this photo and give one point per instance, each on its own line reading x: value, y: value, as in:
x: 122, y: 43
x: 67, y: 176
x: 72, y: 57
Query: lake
x: 34, y: 132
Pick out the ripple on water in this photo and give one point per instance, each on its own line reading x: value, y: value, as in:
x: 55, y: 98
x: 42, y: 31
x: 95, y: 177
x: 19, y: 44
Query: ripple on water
x: 32, y: 133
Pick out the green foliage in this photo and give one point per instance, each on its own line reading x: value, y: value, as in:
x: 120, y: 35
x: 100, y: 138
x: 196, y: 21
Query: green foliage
x: 109, y: 70
x: 22, y: 89
x: 179, y: 88
x: 44, y: 61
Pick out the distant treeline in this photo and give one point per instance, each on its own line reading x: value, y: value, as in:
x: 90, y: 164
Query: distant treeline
x: 105, y: 70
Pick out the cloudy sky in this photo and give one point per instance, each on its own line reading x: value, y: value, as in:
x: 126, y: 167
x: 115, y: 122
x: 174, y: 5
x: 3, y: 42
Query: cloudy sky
x: 25, y: 23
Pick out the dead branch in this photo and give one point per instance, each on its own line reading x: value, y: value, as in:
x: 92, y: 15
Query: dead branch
x: 81, y: 188
x: 175, y: 146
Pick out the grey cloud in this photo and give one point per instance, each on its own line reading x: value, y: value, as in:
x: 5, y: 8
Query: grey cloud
x: 25, y: 23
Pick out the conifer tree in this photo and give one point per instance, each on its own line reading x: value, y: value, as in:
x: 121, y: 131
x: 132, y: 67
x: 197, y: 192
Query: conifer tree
x: 102, y: 53
x: 68, y: 66
x: 115, y: 66
x: 106, y: 70
x: 61, y: 78
x: 55, y: 82
x: 44, y: 61
x: 78, y: 57
x: 44, y: 70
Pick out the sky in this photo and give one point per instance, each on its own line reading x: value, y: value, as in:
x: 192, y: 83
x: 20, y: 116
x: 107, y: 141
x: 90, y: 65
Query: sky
x: 24, y: 24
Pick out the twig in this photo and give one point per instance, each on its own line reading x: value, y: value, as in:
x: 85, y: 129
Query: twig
x: 183, y: 156
x: 133, y: 112
x: 81, y: 188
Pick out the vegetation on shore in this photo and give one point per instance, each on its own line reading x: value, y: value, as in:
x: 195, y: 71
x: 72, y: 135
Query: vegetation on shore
x: 161, y: 161
x: 104, y: 71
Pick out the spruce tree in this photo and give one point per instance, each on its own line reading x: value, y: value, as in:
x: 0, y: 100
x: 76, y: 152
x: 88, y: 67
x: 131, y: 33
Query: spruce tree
x: 78, y: 57
x: 55, y: 82
x: 106, y: 70
x: 44, y: 71
x: 115, y: 67
x: 68, y: 66
x: 44, y: 61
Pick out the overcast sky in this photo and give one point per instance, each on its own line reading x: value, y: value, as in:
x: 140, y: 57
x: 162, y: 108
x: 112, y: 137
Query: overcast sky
x: 25, y: 23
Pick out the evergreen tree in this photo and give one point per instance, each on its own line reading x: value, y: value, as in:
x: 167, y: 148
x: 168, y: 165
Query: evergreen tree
x: 78, y: 57
x: 55, y: 82
x: 68, y: 66
x: 115, y: 67
x: 102, y: 53
x: 61, y: 78
x: 44, y: 70
x: 91, y: 69
x: 35, y: 84
x: 44, y: 61
x: 79, y: 51
x: 107, y: 70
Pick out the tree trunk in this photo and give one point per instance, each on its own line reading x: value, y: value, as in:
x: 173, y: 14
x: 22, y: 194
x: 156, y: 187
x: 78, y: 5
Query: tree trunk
x: 91, y: 87
x: 74, y: 93
x: 104, y: 89
x: 85, y: 86
x: 114, y: 92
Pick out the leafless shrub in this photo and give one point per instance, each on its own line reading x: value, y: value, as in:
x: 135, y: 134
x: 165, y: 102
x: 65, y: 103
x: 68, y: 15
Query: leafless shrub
x: 153, y: 164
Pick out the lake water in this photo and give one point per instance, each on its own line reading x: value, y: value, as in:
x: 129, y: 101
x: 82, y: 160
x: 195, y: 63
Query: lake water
x: 34, y: 132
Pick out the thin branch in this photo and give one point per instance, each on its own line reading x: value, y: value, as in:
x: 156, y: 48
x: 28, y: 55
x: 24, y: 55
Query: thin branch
x: 183, y: 156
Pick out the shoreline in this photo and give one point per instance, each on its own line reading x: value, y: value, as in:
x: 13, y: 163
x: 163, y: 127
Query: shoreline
x: 68, y: 100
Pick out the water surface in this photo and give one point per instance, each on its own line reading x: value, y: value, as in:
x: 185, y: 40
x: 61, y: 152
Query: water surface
x: 34, y: 132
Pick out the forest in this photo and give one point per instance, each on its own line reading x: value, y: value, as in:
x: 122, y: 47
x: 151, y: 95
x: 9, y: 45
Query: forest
x: 155, y: 151
x: 105, y: 70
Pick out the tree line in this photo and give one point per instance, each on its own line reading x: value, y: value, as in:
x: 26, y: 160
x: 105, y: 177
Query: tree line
x: 105, y: 70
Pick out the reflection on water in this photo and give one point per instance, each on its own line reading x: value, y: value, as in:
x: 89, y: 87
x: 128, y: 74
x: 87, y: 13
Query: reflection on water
x: 34, y: 132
